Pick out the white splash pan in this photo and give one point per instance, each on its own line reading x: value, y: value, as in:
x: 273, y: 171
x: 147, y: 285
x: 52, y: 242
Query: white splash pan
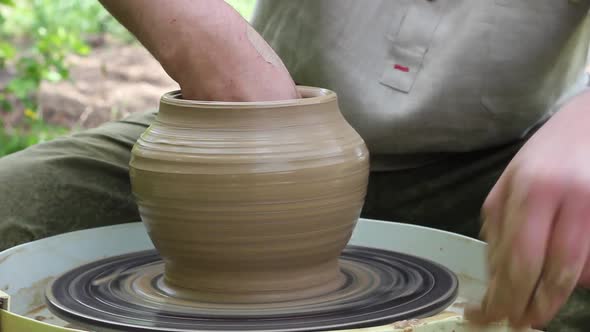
x: 26, y: 270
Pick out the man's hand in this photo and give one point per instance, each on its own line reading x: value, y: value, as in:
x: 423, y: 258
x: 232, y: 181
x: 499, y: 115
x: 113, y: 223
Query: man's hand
x: 207, y: 48
x: 537, y: 223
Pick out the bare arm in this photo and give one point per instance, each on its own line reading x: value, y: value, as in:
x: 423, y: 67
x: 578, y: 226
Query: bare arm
x: 207, y: 48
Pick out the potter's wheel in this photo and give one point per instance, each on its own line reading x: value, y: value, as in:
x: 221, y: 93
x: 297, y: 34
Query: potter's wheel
x: 28, y: 269
x: 128, y: 291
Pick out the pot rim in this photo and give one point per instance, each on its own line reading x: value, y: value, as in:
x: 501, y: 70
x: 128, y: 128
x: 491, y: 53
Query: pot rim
x: 311, y: 96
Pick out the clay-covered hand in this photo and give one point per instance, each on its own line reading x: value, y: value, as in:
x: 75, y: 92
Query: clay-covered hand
x: 537, y: 223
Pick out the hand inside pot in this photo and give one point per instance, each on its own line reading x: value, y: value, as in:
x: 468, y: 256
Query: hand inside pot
x: 208, y: 48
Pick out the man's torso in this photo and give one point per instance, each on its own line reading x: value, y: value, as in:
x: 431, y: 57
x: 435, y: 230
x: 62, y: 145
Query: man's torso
x: 420, y: 77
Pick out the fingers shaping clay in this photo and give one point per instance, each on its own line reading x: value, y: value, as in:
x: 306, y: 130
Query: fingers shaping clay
x: 250, y: 202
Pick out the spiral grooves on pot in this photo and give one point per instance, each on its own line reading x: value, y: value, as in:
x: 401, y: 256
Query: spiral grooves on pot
x: 248, y: 202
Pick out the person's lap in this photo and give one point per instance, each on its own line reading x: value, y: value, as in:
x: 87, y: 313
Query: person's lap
x: 446, y: 194
x: 71, y: 183
x: 82, y: 181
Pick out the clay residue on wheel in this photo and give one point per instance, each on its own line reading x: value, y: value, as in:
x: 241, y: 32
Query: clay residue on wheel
x: 36, y: 294
x: 404, y: 324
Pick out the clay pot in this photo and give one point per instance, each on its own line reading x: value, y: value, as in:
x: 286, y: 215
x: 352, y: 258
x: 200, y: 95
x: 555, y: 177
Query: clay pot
x: 250, y: 202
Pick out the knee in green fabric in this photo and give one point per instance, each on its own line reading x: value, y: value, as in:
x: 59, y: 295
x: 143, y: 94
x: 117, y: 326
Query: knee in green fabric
x: 71, y: 183
x: 14, y: 232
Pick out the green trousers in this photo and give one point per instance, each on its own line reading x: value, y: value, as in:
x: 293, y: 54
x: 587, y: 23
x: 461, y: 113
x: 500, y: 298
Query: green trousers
x: 81, y: 181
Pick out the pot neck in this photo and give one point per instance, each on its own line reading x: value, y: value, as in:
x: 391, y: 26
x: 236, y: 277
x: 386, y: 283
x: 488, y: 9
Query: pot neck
x: 317, y: 106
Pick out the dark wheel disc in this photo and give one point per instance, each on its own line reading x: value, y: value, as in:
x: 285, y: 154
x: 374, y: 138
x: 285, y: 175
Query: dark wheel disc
x: 127, y: 293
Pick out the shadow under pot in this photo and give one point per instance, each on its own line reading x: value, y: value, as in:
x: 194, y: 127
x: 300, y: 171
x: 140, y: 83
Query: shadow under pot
x: 250, y: 202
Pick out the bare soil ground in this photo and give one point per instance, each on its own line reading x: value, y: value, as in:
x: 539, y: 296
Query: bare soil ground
x: 113, y: 81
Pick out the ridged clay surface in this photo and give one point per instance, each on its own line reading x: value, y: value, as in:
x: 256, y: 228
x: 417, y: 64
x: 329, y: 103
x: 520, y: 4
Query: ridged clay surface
x: 250, y: 202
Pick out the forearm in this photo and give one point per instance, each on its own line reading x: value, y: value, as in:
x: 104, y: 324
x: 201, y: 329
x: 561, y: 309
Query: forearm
x: 207, y: 47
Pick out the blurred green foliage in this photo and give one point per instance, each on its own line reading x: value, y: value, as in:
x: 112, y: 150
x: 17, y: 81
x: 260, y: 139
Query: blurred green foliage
x: 35, y: 132
x: 36, y: 37
x: 244, y: 7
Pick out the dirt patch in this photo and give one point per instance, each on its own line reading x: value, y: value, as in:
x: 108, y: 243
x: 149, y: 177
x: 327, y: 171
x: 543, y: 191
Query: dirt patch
x: 110, y: 83
x: 113, y: 81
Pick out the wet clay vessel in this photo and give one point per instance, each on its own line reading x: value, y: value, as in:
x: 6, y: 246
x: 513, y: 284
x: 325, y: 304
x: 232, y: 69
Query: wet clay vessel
x: 250, y: 202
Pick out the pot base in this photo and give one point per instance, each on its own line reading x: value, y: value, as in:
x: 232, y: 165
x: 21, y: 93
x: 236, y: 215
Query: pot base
x: 251, y: 297
x: 128, y: 291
